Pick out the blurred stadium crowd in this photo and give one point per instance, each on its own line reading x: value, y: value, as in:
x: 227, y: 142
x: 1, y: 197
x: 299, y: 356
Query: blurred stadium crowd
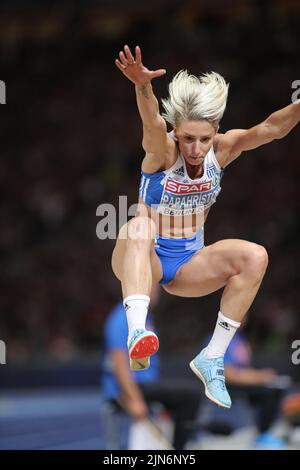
x: 71, y: 140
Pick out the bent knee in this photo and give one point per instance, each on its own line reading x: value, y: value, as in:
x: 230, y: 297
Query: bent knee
x: 260, y: 256
x: 257, y: 258
x: 141, y: 228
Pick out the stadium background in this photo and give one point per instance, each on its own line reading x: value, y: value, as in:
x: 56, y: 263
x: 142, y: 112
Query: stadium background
x: 71, y: 140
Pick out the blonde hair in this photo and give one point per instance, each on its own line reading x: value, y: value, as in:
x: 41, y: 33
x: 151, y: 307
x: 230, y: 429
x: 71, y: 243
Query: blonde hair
x: 194, y: 99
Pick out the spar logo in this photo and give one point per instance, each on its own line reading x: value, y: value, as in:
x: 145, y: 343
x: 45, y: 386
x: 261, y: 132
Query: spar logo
x: 179, y: 188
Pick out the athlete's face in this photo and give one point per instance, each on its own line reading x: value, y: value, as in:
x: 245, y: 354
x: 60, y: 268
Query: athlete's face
x: 195, y: 138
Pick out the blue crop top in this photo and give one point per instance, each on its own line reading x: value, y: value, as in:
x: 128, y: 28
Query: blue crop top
x: 173, y: 192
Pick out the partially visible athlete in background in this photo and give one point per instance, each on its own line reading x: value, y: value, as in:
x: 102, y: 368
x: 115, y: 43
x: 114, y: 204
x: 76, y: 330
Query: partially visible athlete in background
x: 136, y: 392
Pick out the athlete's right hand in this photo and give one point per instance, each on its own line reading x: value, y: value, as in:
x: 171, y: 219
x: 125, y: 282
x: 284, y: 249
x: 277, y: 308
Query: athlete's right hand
x: 133, y: 68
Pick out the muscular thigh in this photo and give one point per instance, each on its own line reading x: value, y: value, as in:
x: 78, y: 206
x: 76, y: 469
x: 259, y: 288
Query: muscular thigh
x: 117, y: 260
x: 209, y: 269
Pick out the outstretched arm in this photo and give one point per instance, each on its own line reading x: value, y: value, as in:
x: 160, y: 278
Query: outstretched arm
x: 155, y: 138
x: 276, y: 126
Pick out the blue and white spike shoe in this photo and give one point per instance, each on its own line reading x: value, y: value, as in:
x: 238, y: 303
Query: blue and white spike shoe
x: 211, y: 373
x: 141, y: 345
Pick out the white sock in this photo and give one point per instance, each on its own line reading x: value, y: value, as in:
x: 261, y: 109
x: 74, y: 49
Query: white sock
x: 223, y: 334
x: 136, y: 308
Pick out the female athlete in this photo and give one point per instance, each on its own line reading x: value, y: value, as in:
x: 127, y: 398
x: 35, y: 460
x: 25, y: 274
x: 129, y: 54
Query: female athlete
x: 180, y: 180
